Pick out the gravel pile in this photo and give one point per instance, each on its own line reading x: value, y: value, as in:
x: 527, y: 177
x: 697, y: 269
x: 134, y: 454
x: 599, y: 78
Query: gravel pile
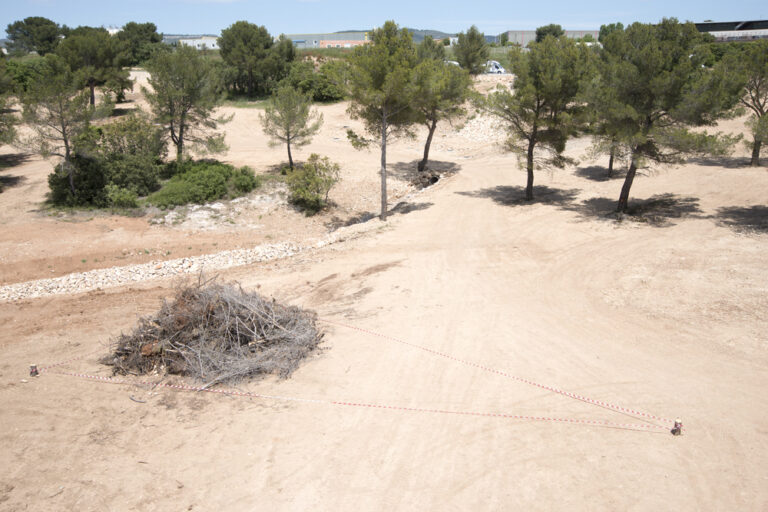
x: 117, y: 276
x: 482, y: 128
x: 80, y: 282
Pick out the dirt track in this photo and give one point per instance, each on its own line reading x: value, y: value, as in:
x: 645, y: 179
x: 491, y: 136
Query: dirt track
x: 666, y: 317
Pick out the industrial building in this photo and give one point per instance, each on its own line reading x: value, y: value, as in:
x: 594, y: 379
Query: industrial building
x: 523, y: 37
x: 201, y: 42
x: 331, y: 40
x: 725, y: 31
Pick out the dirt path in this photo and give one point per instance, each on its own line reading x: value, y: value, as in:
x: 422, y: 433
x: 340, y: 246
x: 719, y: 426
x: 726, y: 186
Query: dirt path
x: 666, y: 317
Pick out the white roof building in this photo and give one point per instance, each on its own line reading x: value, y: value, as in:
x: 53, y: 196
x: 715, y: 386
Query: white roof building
x: 202, y: 42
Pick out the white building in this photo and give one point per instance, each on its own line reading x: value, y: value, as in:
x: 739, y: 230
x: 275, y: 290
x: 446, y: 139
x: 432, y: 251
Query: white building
x: 202, y: 42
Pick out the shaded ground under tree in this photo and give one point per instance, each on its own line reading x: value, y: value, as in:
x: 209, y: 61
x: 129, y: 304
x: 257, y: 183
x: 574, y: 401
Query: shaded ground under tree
x: 658, y: 210
x: 744, y: 219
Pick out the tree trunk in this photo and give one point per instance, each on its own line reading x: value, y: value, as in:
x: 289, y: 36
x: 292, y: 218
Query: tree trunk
x: 68, y: 167
x: 529, y: 168
x: 756, y: 153
x: 250, y: 83
x: 610, y: 162
x: 383, y: 167
x: 423, y: 163
x: 290, y: 157
x: 92, y: 85
x: 180, y: 145
x: 624, y: 197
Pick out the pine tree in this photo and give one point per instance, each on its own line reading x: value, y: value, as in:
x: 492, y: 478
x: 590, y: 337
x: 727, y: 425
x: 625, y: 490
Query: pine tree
x: 746, y: 66
x: 57, y: 113
x: 94, y: 56
x: 288, y: 119
x: 184, y: 94
x: 653, y: 79
x: 539, y: 113
x: 441, y: 90
x: 381, y: 91
x: 472, y: 51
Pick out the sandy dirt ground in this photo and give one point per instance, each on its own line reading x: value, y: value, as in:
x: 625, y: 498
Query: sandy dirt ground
x: 667, y: 316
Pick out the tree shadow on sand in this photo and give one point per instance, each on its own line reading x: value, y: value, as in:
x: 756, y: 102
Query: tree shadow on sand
x: 401, y: 208
x: 506, y: 195
x: 597, y: 173
x: 657, y: 211
x: 749, y: 219
x: 727, y: 162
x: 408, y: 171
x: 8, y: 161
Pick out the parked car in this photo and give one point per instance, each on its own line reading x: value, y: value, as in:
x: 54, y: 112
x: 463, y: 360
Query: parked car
x: 453, y: 63
x: 494, y: 67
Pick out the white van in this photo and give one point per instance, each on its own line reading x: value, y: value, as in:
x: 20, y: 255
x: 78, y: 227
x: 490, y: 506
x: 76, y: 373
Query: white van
x: 494, y: 67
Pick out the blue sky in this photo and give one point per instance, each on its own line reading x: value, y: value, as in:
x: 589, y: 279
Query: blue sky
x: 298, y: 16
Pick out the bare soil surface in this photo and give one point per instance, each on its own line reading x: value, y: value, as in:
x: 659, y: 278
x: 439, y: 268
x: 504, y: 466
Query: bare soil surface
x: 664, y: 313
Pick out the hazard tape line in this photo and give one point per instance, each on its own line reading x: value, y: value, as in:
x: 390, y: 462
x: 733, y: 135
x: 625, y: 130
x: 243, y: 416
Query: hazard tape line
x: 182, y: 387
x: 502, y: 373
x: 644, y: 427
x: 65, y: 362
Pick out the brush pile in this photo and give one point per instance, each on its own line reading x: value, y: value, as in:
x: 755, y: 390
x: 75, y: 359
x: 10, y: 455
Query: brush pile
x: 217, y: 333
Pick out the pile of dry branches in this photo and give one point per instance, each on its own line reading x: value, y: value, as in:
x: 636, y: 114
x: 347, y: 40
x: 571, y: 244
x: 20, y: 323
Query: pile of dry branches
x: 217, y: 333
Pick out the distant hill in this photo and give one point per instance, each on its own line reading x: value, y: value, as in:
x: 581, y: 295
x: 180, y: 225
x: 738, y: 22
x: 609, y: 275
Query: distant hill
x: 418, y: 34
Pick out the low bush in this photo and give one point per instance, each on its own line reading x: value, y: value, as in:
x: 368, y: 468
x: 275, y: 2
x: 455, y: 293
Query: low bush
x: 88, y: 179
x: 310, y: 184
x: 325, y: 84
x: 204, y: 181
x: 120, y: 197
x: 126, y: 153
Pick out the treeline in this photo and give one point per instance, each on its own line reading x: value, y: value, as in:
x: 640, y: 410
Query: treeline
x: 642, y: 95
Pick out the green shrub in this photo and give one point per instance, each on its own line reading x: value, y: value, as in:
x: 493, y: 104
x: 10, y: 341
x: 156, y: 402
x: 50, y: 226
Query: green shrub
x: 126, y: 153
x: 89, y: 182
x: 204, y: 181
x: 310, y: 184
x: 120, y: 197
x: 243, y: 181
x: 140, y: 175
x: 326, y: 84
x: 176, y: 193
x: 211, y: 182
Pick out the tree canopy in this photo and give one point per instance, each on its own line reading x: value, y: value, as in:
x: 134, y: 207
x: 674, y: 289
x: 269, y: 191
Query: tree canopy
x: 430, y: 49
x: 7, y: 119
x: 139, y: 41
x: 257, y: 61
x: 288, y: 119
x: 94, y: 56
x: 607, y: 29
x: 441, y: 90
x: 57, y: 113
x: 381, y: 91
x: 471, y: 51
x: 652, y: 80
x: 552, y: 29
x: 746, y: 68
x: 33, y: 34
x: 185, y: 91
